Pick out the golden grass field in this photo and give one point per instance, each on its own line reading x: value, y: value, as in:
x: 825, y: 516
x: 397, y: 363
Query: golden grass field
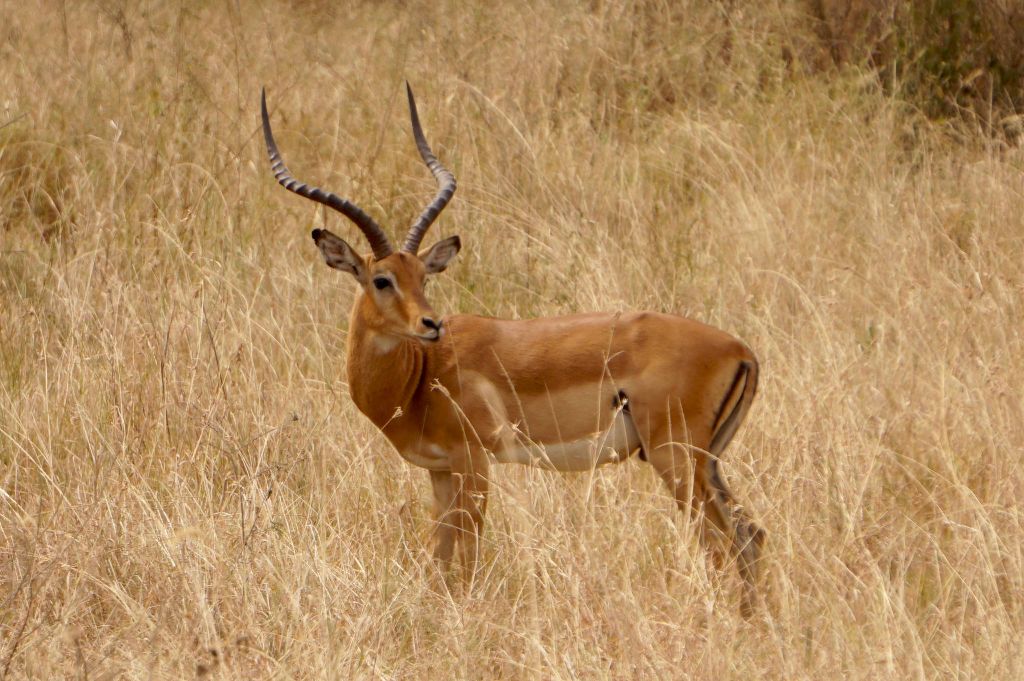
x: 187, y: 491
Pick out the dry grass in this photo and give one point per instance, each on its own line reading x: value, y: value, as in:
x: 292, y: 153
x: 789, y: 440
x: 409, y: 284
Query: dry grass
x: 187, y: 489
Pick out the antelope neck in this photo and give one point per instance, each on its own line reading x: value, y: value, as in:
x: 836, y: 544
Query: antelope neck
x: 384, y: 371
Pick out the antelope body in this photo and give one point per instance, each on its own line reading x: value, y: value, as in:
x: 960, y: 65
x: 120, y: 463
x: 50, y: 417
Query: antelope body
x: 569, y: 393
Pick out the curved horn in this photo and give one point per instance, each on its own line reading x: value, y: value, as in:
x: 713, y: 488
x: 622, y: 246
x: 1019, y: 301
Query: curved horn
x: 374, y: 234
x: 445, y: 181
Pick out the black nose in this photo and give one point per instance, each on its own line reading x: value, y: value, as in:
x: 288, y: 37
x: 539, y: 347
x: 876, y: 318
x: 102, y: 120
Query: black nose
x: 431, y: 323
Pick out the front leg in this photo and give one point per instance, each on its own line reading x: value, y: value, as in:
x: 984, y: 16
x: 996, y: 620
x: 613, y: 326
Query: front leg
x: 445, y: 518
x: 470, y: 486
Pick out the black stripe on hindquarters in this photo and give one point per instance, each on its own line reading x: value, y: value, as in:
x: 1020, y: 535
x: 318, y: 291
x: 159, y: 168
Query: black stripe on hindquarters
x: 740, y: 374
x: 620, y: 401
x: 722, y: 434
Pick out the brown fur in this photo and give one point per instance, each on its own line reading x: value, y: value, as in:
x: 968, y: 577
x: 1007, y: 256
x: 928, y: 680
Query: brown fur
x: 492, y: 389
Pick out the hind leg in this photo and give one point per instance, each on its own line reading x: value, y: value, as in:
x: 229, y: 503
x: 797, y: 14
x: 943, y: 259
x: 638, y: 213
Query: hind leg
x: 692, y: 475
x: 683, y: 469
x: 747, y: 538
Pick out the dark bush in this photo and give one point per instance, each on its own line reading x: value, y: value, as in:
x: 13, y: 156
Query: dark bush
x: 960, y: 58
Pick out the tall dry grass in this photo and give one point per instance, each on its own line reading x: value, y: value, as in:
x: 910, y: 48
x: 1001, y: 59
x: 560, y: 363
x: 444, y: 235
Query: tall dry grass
x: 188, y: 491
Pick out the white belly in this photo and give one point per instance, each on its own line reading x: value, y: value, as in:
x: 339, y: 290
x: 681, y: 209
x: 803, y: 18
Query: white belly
x: 609, y: 446
x: 429, y: 456
x: 509, y: 444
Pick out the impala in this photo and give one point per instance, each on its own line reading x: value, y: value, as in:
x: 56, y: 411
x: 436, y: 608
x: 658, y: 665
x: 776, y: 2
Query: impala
x: 455, y: 394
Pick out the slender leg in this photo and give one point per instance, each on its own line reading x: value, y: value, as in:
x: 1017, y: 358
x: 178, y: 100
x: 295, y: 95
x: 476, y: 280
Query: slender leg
x: 445, y: 518
x: 747, y: 538
x: 471, y: 489
x: 680, y: 467
x: 693, y: 477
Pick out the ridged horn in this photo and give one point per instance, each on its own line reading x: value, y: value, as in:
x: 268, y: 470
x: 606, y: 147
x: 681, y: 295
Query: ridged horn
x: 371, y: 230
x: 445, y: 182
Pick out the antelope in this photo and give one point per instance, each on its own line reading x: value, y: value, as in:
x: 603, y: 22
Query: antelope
x: 459, y: 393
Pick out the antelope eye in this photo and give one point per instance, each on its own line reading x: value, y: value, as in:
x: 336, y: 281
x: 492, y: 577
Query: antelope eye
x: 381, y: 283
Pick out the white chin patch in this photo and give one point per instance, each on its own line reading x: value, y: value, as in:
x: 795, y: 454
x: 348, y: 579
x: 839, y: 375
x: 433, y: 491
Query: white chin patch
x: 385, y: 343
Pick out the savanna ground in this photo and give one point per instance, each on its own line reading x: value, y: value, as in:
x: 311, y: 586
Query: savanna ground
x: 188, y: 491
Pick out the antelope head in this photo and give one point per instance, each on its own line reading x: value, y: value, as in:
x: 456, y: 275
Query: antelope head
x: 393, y: 301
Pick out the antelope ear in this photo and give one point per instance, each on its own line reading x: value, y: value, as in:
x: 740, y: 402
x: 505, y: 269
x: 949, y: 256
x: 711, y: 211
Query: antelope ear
x: 339, y: 255
x: 437, y: 257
